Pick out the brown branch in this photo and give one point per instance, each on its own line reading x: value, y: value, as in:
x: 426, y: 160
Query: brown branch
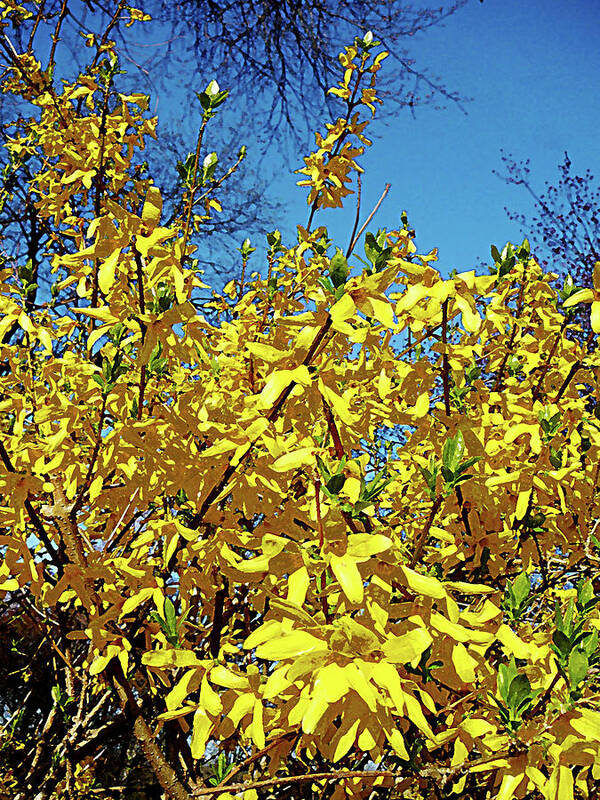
x: 464, y: 513
x: 368, y: 219
x: 538, y: 389
x: 259, y: 754
x: 33, y: 515
x: 428, y: 332
x: 230, y: 469
x: 571, y: 374
x: 37, y: 90
x: 113, y: 21
x: 38, y: 19
x: 217, y: 624
x: 314, y: 776
x: 350, y: 104
x: 335, y: 435
x: 194, y: 186
x: 88, y: 478
x: 139, y: 264
x: 445, y: 363
x: 56, y: 33
x: 162, y: 769
x: 357, y: 217
x: 420, y: 543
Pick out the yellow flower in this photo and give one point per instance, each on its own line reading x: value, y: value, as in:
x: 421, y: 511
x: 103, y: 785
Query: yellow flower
x: 589, y: 296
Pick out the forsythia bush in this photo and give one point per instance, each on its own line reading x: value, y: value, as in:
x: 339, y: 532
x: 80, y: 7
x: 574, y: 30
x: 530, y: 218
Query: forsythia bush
x: 332, y: 531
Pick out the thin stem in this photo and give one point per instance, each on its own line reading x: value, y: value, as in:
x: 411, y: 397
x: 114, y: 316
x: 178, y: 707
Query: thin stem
x: 425, y: 532
x: 335, y: 435
x: 139, y: 264
x: 88, y: 478
x: 56, y: 34
x: 357, y: 217
x: 194, y: 186
x: 368, y: 219
x: 33, y: 515
x: 538, y: 389
x: 445, y: 363
x: 337, y: 775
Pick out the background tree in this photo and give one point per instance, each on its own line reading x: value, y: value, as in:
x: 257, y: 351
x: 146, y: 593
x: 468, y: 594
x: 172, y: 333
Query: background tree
x: 196, y: 552
x: 564, y: 228
x: 283, y: 53
x: 279, y: 56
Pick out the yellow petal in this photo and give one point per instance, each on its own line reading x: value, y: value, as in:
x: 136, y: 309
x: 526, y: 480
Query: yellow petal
x: 582, y: 296
x: 276, y: 383
x: 464, y: 663
x: 221, y: 676
x: 509, y: 786
x: 171, y: 658
x: 291, y: 645
x: 209, y: 699
x: 257, y: 729
x: 587, y: 724
x: 345, y: 570
x: 423, y: 584
x: 180, y: 691
x: 421, y: 407
x: 345, y: 737
x: 407, y: 647
x: 397, y: 741
x: 595, y: 316
x: 106, y: 273
x: 361, y: 685
x: 152, y: 207
x: 303, y: 457
x: 341, y: 311
x: 386, y: 675
x: 315, y: 710
x: 298, y: 583
x: 200, y: 733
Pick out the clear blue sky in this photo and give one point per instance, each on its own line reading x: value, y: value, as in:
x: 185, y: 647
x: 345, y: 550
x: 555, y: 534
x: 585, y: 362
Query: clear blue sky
x: 532, y: 69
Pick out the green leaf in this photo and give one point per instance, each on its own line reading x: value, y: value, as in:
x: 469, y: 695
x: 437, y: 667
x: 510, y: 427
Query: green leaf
x: 578, y: 667
x: 372, y: 249
x: 562, y: 644
x: 506, y: 674
x: 335, y: 484
x: 590, y: 644
x: 521, y: 587
x: 519, y: 693
x: 170, y: 615
x: 452, y: 452
x: 338, y: 268
x: 585, y: 596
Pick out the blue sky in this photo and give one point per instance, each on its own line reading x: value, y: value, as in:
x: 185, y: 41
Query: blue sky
x: 532, y: 70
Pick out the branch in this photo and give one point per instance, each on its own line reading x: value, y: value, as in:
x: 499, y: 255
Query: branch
x: 368, y: 219
x: 314, y: 776
x: 425, y: 532
x: 33, y: 515
x: 164, y: 772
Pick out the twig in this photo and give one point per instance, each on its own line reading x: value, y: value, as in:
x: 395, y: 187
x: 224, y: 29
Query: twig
x: 140, y: 281
x: 420, y: 543
x: 357, y: 218
x: 368, y: 219
x: 194, y: 186
x: 33, y: 515
x: 335, y: 435
x: 445, y: 363
x: 56, y: 34
x: 338, y: 775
